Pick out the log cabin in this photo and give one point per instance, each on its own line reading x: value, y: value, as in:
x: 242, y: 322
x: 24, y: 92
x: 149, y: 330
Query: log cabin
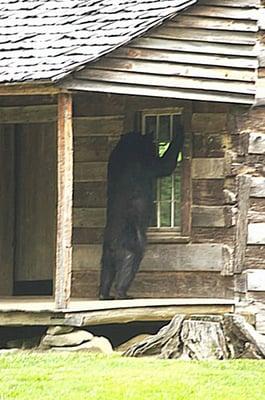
x: 74, y: 77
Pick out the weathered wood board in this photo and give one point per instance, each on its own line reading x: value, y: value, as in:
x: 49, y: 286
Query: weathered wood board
x: 7, y: 207
x: 35, y: 218
x: 64, y: 249
x: 160, y: 257
x: 212, y: 216
x: 110, y: 125
x: 161, y: 285
x: 208, y: 168
x: 28, y: 114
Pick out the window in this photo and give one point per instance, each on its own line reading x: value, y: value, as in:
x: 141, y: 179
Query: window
x: 169, y: 214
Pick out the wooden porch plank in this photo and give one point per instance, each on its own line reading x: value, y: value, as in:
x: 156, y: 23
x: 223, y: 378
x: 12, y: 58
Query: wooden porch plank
x: 83, y: 312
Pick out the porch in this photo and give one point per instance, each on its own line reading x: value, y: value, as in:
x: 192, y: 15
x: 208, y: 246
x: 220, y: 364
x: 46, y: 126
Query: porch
x: 36, y: 311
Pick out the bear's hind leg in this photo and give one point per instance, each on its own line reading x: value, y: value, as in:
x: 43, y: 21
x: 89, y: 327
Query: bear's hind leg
x: 126, y: 270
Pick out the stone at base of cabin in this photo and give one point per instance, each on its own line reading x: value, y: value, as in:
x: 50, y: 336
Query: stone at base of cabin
x: 203, y: 337
x: 68, y: 339
x: 59, y: 330
x: 95, y: 345
x: 136, y: 339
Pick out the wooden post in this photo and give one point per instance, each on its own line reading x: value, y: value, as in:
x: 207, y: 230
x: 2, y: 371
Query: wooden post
x: 64, y: 201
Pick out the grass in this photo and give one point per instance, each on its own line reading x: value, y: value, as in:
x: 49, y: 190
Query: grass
x: 65, y: 376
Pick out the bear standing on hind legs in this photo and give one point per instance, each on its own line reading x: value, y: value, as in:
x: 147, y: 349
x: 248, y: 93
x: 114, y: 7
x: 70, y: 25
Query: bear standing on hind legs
x: 132, y: 169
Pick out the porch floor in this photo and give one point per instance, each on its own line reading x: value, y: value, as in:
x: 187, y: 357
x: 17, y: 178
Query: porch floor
x: 18, y: 311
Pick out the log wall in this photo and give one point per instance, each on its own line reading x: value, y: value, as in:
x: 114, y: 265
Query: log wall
x: 171, y: 267
x: 249, y: 158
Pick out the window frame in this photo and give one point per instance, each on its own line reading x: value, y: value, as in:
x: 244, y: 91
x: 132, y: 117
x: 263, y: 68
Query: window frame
x: 168, y: 234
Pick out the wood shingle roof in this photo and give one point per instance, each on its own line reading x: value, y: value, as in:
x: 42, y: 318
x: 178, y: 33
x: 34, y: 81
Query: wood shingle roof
x: 47, y: 40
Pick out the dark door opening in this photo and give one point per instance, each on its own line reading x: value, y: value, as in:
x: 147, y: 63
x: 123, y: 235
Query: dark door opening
x: 35, y: 208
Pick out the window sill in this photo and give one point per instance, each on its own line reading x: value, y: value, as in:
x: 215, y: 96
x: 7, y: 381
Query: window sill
x: 166, y: 237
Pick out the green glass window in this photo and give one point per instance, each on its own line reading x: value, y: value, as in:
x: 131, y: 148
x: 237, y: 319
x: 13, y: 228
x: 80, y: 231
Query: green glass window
x: 167, y: 193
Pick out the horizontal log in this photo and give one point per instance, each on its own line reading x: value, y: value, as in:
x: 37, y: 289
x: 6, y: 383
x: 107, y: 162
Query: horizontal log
x: 212, y: 216
x: 161, y: 257
x: 209, y: 122
x: 257, y: 187
x: 110, y: 125
x: 257, y: 204
x: 89, y: 194
x: 213, y: 235
x: 88, y: 235
x: 255, y: 216
x: 256, y: 143
x: 89, y: 217
x: 161, y: 285
x: 256, y: 233
x: 100, y: 105
x: 255, y: 257
x: 208, y: 145
x: 90, y: 171
x: 207, y: 168
x: 28, y: 89
x: 208, y: 192
x: 28, y: 114
x: 92, y: 148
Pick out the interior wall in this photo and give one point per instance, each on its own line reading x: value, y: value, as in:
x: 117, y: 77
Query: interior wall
x: 6, y: 209
x: 27, y: 194
x: 35, y: 202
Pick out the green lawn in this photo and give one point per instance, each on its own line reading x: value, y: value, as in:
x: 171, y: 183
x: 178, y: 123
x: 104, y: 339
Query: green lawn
x: 50, y: 376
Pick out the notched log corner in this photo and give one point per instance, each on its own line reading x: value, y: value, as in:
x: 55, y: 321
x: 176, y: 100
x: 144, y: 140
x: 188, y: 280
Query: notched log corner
x: 203, y: 337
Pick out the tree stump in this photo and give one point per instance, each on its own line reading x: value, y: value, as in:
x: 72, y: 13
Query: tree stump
x: 203, y: 337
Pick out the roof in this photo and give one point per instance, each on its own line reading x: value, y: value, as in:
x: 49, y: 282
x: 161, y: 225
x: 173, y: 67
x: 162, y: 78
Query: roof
x: 208, y: 52
x: 47, y: 40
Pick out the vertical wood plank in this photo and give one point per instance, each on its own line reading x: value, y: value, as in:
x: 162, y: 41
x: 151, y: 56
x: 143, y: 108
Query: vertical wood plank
x: 244, y: 184
x: 64, y: 201
x: 7, y: 197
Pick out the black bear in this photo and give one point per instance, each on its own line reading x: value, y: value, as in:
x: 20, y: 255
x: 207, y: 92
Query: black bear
x: 132, y: 169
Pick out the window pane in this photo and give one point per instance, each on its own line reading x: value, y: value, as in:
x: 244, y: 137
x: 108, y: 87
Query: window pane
x: 177, y: 185
x: 166, y: 188
x: 154, y: 215
x: 177, y: 214
x: 150, y: 125
x: 165, y: 214
x: 164, y: 128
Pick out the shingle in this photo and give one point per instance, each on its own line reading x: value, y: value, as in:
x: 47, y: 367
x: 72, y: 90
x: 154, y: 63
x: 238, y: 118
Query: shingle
x: 42, y: 39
